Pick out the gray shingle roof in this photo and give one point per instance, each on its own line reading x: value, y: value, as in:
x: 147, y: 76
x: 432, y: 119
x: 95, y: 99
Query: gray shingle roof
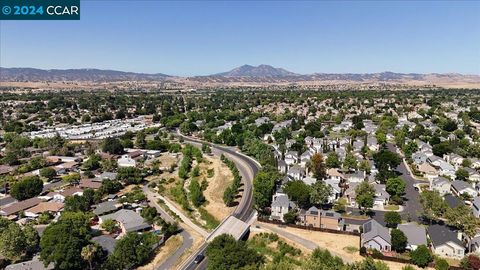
x: 441, y: 234
x: 105, y: 207
x: 415, y: 234
x: 372, y: 229
x: 106, y: 242
x: 131, y: 220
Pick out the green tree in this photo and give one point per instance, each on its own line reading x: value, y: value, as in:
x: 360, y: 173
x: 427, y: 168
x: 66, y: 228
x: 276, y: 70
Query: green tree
x: 395, y: 187
x: 77, y: 203
x: 399, y: 240
x: 364, y: 195
x: 131, y: 251
x: 109, y: 225
x: 298, y: 192
x: 72, y: 178
x: 48, y: 173
x: 15, y: 243
x: 461, y: 174
x: 421, y: 256
x: 350, y: 162
x: 28, y: 187
x: 433, y: 205
x: 150, y: 214
x: 196, y: 193
x: 130, y: 175
x: 386, y: 161
x: 441, y: 264
x: 112, y: 146
x: 62, y: 241
x: 392, y: 219
x: 333, y: 160
x: 263, y: 185
x: 140, y: 140
x: 225, y: 253
x: 290, y: 217
x: 461, y: 217
x: 320, y: 193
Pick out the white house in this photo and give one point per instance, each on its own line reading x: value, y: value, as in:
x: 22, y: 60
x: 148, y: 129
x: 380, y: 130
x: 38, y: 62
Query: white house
x: 446, y: 242
x: 280, y: 206
x: 441, y: 184
x: 126, y: 161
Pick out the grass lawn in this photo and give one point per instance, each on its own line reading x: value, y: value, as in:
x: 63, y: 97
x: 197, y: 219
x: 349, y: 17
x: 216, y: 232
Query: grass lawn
x: 391, y: 207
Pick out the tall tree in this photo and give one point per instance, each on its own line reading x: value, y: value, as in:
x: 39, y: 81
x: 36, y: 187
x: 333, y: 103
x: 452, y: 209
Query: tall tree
x: 364, y: 195
x: 320, y: 192
x: 317, y: 166
x: 27, y: 188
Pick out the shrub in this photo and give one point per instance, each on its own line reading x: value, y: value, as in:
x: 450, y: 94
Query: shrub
x: 421, y: 256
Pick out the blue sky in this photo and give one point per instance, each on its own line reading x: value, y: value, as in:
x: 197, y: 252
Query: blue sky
x: 205, y: 37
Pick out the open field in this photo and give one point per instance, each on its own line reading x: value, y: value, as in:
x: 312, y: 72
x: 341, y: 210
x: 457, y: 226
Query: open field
x: 216, y: 186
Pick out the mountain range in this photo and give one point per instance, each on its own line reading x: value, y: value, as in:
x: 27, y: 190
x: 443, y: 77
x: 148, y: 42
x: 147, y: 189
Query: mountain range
x: 243, y: 75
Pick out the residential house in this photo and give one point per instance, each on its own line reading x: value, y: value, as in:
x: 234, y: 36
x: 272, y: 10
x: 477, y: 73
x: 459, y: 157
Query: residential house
x: 375, y: 236
x: 106, y: 242
x: 333, y: 173
x: 314, y: 217
x: 416, y: 235
x: 445, y: 242
x: 291, y: 157
x: 441, y: 184
x: 106, y: 207
x: 473, y: 176
x: 281, y: 205
x: 381, y: 195
x: 72, y: 191
x: 296, y: 172
x: 126, y: 161
x: 419, y: 158
x: 282, y: 166
x: 452, y: 201
x: 129, y: 220
x: 107, y: 175
x: 90, y: 183
x: 476, y: 207
x: 262, y: 120
x: 44, y: 207
x: 350, y: 193
x: 309, y: 180
x: 336, y: 189
x: 427, y: 170
x: 33, y: 264
x: 372, y: 143
x: 353, y: 224
x: 355, y: 177
x: 460, y: 187
x: 17, y: 207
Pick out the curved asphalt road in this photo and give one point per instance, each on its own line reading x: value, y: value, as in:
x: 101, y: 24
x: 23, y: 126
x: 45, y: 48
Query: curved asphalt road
x: 248, y: 168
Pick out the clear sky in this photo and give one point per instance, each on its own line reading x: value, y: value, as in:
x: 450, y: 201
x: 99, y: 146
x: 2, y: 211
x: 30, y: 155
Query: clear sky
x: 205, y: 37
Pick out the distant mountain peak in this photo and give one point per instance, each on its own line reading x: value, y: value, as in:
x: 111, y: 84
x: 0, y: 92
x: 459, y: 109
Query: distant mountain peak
x: 256, y: 71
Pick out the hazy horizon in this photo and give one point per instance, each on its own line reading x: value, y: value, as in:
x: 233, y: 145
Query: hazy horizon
x: 201, y: 38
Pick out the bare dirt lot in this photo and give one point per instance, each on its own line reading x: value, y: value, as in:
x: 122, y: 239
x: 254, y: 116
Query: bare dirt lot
x: 338, y: 243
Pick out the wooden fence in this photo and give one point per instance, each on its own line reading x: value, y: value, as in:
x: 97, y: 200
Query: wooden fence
x: 307, y: 227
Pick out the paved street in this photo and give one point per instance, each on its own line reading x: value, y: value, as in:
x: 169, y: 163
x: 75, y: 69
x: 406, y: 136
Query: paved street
x: 412, y: 206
